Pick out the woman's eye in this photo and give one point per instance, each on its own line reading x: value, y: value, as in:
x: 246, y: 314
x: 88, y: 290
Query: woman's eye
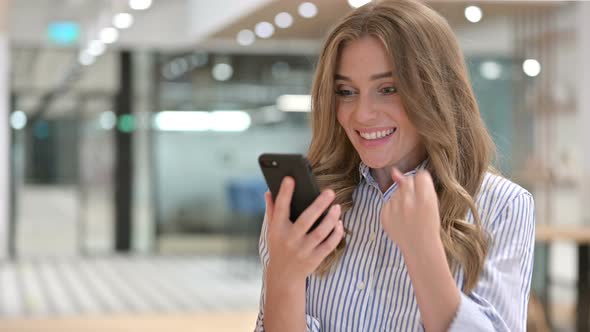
x: 389, y: 90
x: 344, y: 93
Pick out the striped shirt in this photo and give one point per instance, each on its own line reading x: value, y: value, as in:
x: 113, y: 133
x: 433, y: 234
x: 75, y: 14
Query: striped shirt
x: 370, y: 288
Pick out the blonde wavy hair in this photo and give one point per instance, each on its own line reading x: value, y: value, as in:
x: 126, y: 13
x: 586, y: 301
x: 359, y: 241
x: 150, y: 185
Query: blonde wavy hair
x: 434, y: 87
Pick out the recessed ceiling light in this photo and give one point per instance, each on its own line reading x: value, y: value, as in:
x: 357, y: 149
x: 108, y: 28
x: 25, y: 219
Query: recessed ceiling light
x: 222, y: 72
x: 96, y: 48
x: 531, y: 67
x: 18, y: 120
x: 473, y: 14
x: 490, y: 70
x: 308, y: 10
x: 246, y: 37
x: 123, y: 20
x: 283, y: 20
x: 140, y: 4
x: 264, y: 29
x: 85, y: 58
x: 358, y: 3
x: 109, y: 35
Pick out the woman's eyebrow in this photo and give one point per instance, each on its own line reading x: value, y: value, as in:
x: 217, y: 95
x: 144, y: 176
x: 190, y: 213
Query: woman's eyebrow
x: 382, y: 75
x: 341, y: 77
x: 373, y: 77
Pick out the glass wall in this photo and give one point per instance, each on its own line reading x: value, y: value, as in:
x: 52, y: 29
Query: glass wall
x: 209, y: 187
x: 62, y: 154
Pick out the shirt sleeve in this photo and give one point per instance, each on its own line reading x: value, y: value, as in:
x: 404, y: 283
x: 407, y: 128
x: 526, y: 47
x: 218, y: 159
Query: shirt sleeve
x: 313, y: 324
x: 499, y: 301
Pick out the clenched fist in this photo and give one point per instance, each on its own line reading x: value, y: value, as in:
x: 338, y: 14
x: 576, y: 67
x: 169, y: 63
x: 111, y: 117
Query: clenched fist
x: 411, y: 218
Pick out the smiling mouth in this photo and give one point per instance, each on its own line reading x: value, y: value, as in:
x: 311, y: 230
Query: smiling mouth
x: 377, y: 134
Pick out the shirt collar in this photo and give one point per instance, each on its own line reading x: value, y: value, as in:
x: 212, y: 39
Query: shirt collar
x: 365, y: 171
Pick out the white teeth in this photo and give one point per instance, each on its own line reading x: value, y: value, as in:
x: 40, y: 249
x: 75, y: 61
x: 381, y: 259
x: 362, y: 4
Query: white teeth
x: 377, y: 134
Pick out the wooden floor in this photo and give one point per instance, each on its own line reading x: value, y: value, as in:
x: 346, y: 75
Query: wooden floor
x: 218, y: 322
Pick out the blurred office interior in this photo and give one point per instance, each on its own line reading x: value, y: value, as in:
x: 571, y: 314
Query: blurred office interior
x: 130, y: 193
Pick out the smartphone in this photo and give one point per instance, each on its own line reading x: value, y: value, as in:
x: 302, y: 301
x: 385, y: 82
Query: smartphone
x: 276, y: 166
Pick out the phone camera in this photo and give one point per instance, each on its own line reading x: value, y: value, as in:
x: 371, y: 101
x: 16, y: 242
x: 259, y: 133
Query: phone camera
x: 269, y: 163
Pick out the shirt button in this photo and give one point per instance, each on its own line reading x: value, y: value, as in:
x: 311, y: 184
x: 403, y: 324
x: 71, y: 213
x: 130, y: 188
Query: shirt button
x: 372, y: 237
x: 360, y: 285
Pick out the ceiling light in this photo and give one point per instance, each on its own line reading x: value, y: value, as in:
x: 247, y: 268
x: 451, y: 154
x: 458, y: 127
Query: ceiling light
x: 531, y: 67
x: 490, y: 70
x: 108, y: 120
x: 96, y: 48
x: 473, y: 14
x: 264, y: 30
x: 122, y: 20
x: 246, y: 37
x: 18, y: 120
x: 109, y: 35
x: 140, y: 4
x: 222, y: 72
x: 229, y: 121
x: 358, y: 3
x: 63, y: 32
x: 202, y: 121
x: 294, y: 103
x: 85, y: 58
x: 283, y: 20
x: 182, y: 121
x: 307, y: 10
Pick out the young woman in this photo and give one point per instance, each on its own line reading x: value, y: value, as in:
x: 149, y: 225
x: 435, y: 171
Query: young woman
x: 421, y: 233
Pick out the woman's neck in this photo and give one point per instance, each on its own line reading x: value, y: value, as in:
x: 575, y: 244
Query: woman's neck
x: 383, y: 175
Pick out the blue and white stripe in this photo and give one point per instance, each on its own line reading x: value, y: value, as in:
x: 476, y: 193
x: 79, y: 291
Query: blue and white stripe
x: 370, y: 288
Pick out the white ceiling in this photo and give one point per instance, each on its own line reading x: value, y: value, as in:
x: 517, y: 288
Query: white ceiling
x: 210, y: 25
x: 167, y: 24
x: 37, y: 66
x: 182, y: 24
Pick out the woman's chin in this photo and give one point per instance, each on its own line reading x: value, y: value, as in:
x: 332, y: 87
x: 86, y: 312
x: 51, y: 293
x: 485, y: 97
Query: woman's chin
x: 374, y: 163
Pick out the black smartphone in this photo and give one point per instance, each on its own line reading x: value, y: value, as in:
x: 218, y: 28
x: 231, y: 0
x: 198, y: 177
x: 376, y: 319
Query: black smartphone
x: 276, y: 166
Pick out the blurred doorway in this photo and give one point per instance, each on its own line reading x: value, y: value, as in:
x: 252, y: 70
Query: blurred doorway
x: 62, y: 172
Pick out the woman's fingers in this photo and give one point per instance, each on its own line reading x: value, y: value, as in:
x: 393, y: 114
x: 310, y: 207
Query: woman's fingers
x: 397, y: 176
x: 269, y: 206
x: 329, y: 244
x: 424, y: 185
x: 319, y: 234
x: 404, y: 183
x: 312, y: 213
x: 282, y: 204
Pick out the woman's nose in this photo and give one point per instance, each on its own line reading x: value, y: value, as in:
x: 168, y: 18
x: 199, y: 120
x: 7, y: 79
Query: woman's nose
x: 365, y: 109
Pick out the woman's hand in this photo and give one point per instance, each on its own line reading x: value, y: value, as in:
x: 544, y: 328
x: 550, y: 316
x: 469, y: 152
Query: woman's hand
x: 411, y: 218
x: 295, y: 254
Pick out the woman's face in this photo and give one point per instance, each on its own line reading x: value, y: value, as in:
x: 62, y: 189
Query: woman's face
x: 370, y: 109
